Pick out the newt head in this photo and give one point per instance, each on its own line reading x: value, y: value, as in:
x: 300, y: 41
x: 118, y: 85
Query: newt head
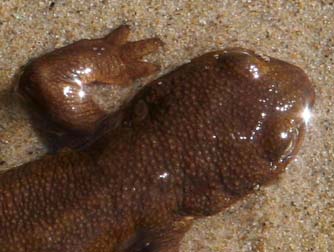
x: 266, y: 104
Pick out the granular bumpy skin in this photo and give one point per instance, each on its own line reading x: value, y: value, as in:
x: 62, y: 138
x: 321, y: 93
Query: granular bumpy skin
x: 57, y: 82
x: 191, y: 143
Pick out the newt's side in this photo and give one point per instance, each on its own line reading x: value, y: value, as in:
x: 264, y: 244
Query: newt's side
x: 191, y: 143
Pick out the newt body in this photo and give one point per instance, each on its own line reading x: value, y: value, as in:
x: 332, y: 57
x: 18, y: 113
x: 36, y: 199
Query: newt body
x: 190, y: 144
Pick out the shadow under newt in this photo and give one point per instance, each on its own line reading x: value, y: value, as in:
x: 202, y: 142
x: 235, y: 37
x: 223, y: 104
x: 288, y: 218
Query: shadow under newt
x: 190, y: 144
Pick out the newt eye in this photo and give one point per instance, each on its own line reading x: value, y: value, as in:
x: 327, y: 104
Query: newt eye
x: 285, y: 144
x: 244, y: 63
x: 281, y: 139
x: 140, y: 111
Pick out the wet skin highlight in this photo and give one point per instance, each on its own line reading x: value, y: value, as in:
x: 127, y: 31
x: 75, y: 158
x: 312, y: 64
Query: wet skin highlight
x: 189, y: 145
x: 56, y: 83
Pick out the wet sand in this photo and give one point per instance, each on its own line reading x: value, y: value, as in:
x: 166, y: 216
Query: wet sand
x: 296, y: 214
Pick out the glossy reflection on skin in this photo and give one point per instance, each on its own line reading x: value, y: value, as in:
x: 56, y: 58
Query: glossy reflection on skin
x: 191, y: 143
x: 58, y: 82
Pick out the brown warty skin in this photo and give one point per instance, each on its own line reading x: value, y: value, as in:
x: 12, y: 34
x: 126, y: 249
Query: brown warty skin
x: 57, y: 82
x: 190, y: 144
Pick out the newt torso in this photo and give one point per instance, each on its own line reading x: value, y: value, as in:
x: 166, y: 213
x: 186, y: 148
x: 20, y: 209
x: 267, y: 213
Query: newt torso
x: 191, y: 143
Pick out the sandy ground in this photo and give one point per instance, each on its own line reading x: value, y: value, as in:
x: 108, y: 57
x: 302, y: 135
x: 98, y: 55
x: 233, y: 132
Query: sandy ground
x: 297, y: 214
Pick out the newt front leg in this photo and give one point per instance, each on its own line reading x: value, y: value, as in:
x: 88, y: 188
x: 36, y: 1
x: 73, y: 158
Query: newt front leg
x: 190, y: 144
x: 57, y: 81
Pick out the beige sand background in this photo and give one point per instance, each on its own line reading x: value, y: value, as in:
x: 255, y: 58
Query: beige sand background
x: 297, y: 214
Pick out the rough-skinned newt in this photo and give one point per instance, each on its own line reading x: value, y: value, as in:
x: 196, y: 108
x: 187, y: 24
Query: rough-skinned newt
x: 188, y: 145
